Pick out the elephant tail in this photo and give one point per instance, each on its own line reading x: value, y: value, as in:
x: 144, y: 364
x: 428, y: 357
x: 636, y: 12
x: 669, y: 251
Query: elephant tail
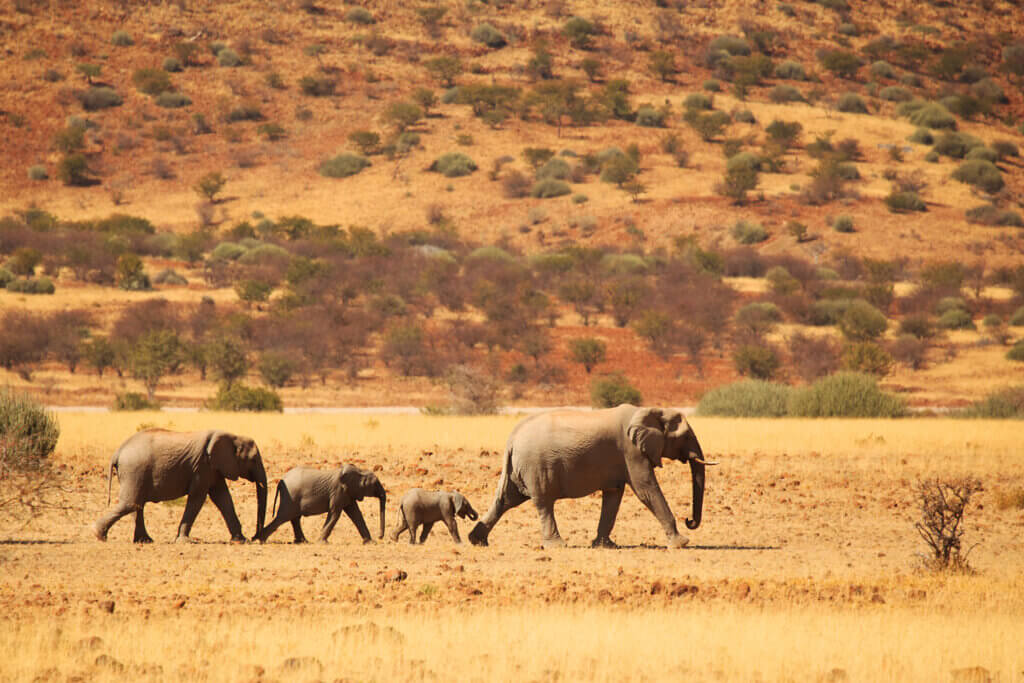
x: 110, y: 473
x: 277, y: 492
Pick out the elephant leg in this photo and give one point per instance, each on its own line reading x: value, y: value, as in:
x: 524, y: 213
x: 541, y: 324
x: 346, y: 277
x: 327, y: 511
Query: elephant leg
x: 414, y: 526
x: 194, y: 503
x: 426, y: 532
x: 221, y: 497
x: 400, y: 527
x: 646, y: 488
x: 103, y: 524
x: 610, y: 500
x: 332, y: 519
x: 357, y: 518
x: 271, y: 528
x: 140, y: 528
x: 453, y: 527
x: 507, y: 498
x: 548, y: 526
x: 297, y: 530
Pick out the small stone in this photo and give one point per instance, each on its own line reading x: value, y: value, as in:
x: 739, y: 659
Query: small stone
x: 396, y: 575
x: 107, y: 606
x: 178, y: 604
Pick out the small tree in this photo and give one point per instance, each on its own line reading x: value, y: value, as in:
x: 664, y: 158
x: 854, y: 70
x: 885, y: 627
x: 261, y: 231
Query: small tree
x: 445, y: 69
x: 588, y: 351
x: 227, y: 358
x: 663, y: 65
x: 210, y: 185
x: 403, y: 114
x: 153, y: 356
x: 100, y: 354
x: 942, y: 503
x: 614, y: 389
x: 738, y: 181
x: 276, y: 368
x: 28, y: 436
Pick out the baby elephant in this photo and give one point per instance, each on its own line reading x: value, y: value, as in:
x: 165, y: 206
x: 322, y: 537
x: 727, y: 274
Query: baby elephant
x: 305, y: 491
x: 426, y: 507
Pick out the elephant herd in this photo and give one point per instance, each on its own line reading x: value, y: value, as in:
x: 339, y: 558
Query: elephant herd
x: 550, y: 456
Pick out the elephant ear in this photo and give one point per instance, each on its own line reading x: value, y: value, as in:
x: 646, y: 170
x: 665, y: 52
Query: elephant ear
x: 675, y: 424
x: 350, y: 477
x: 223, y: 453
x: 459, y: 502
x: 645, y: 430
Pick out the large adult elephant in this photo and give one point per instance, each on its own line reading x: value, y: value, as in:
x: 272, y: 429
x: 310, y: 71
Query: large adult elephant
x: 570, y: 454
x: 156, y: 465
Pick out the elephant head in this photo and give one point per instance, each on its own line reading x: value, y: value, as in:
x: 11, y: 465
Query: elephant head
x: 360, y: 484
x: 462, y: 507
x: 665, y: 433
x: 234, y: 456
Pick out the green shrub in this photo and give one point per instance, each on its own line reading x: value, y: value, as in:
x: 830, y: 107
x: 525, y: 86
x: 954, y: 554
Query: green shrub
x: 956, y: 319
x: 246, y: 112
x: 239, y: 397
x: 744, y: 116
x: 759, y: 362
x: 545, y: 189
x: 922, y: 136
x: 781, y: 94
x: 1005, y: 148
x: 982, y: 154
x: 743, y: 161
x: 905, y: 202
x: 747, y: 232
x: 882, y: 69
x: 1017, y: 318
x: 42, y: 285
x: 790, y: 71
x: 845, y: 394
x: 697, y: 101
x: 121, y: 39
x: 609, y: 391
x: 981, y: 174
x: 843, y: 223
x: 453, y: 165
x: 7, y: 277
x: 228, y: 57
x: 152, y: 81
x: 169, y: 276
x: 851, y: 103
x: 276, y: 368
x: 172, y: 100
x: 956, y: 145
x: 555, y: 168
x: 172, y: 65
x: 734, y: 45
x: 28, y: 431
x: 895, y: 93
x: 358, y: 15
x: 932, y: 115
x: 747, y: 398
x: 932, y: 157
x: 317, y: 86
x: 843, y: 64
x: 867, y: 357
x: 988, y: 90
x: 649, y: 117
x: 97, y: 98
x: 579, y: 31
x: 343, y: 166
x: 488, y: 35
x: 711, y: 85
x: 37, y: 172
x: 227, y: 251
x: 134, y: 401
x: 1016, y: 352
x: 990, y: 214
x: 1003, y: 404
x: 862, y: 322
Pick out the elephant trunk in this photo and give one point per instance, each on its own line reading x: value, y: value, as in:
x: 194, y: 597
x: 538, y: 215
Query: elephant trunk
x: 260, y: 477
x: 697, y: 473
x: 383, y: 496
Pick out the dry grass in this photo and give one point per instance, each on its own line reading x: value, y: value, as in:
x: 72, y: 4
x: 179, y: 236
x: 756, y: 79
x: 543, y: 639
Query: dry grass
x: 806, y: 562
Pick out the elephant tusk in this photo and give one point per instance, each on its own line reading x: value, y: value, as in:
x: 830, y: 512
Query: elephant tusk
x: 709, y: 463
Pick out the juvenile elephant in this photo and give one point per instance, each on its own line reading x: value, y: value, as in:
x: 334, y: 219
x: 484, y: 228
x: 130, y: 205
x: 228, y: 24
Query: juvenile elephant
x: 305, y: 491
x: 570, y: 454
x: 156, y: 465
x: 427, y: 507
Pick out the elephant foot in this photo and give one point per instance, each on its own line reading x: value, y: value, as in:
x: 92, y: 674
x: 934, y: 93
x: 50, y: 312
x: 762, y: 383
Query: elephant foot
x: 478, y: 536
x: 299, y: 541
x: 97, y: 532
x: 678, y: 542
x: 366, y: 541
x: 604, y: 542
x: 239, y: 539
x: 184, y: 539
x: 142, y: 539
x: 550, y: 543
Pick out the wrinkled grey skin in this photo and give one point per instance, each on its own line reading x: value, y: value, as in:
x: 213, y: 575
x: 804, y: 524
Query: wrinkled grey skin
x: 570, y: 454
x: 419, y: 507
x: 305, y: 491
x: 156, y: 465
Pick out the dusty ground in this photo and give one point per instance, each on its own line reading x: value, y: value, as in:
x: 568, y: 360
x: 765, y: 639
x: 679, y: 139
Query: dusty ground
x: 808, y: 525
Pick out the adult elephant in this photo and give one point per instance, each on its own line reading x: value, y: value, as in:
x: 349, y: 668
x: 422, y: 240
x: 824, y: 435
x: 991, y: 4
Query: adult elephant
x: 570, y: 454
x: 156, y: 465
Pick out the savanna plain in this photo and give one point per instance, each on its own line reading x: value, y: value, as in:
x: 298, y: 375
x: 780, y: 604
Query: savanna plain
x: 806, y: 566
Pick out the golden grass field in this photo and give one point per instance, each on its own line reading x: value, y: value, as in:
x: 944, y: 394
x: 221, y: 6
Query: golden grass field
x: 804, y: 569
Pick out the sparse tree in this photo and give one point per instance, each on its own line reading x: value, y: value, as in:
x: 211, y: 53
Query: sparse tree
x: 210, y: 185
x: 226, y: 356
x: 154, y: 355
x: 942, y: 503
x: 446, y: 69
x: 588, y: 352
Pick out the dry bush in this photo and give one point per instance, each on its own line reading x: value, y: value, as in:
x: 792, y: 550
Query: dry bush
x: 942, y: 503
x: 813, y: 357
x: 28, y: 435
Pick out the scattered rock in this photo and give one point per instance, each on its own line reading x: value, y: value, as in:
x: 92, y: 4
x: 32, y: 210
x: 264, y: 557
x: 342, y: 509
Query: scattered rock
x: 683, y: 589
x: 971, y: 674
x: 656, y: 587
x: 396, y: 575
x: 544, y: 558
x: 742, y: 590
x: 178, y: 604
x: 300, y: 663
x: 107, y: 606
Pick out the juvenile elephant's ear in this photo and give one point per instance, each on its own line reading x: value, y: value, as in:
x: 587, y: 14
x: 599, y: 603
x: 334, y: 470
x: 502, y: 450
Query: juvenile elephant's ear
x: 645, y: 431
x: 459, y: 502
x: 223, y: 454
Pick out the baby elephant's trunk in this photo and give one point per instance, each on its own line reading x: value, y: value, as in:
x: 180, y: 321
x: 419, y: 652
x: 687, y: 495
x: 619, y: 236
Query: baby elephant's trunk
x: 383, y: 496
